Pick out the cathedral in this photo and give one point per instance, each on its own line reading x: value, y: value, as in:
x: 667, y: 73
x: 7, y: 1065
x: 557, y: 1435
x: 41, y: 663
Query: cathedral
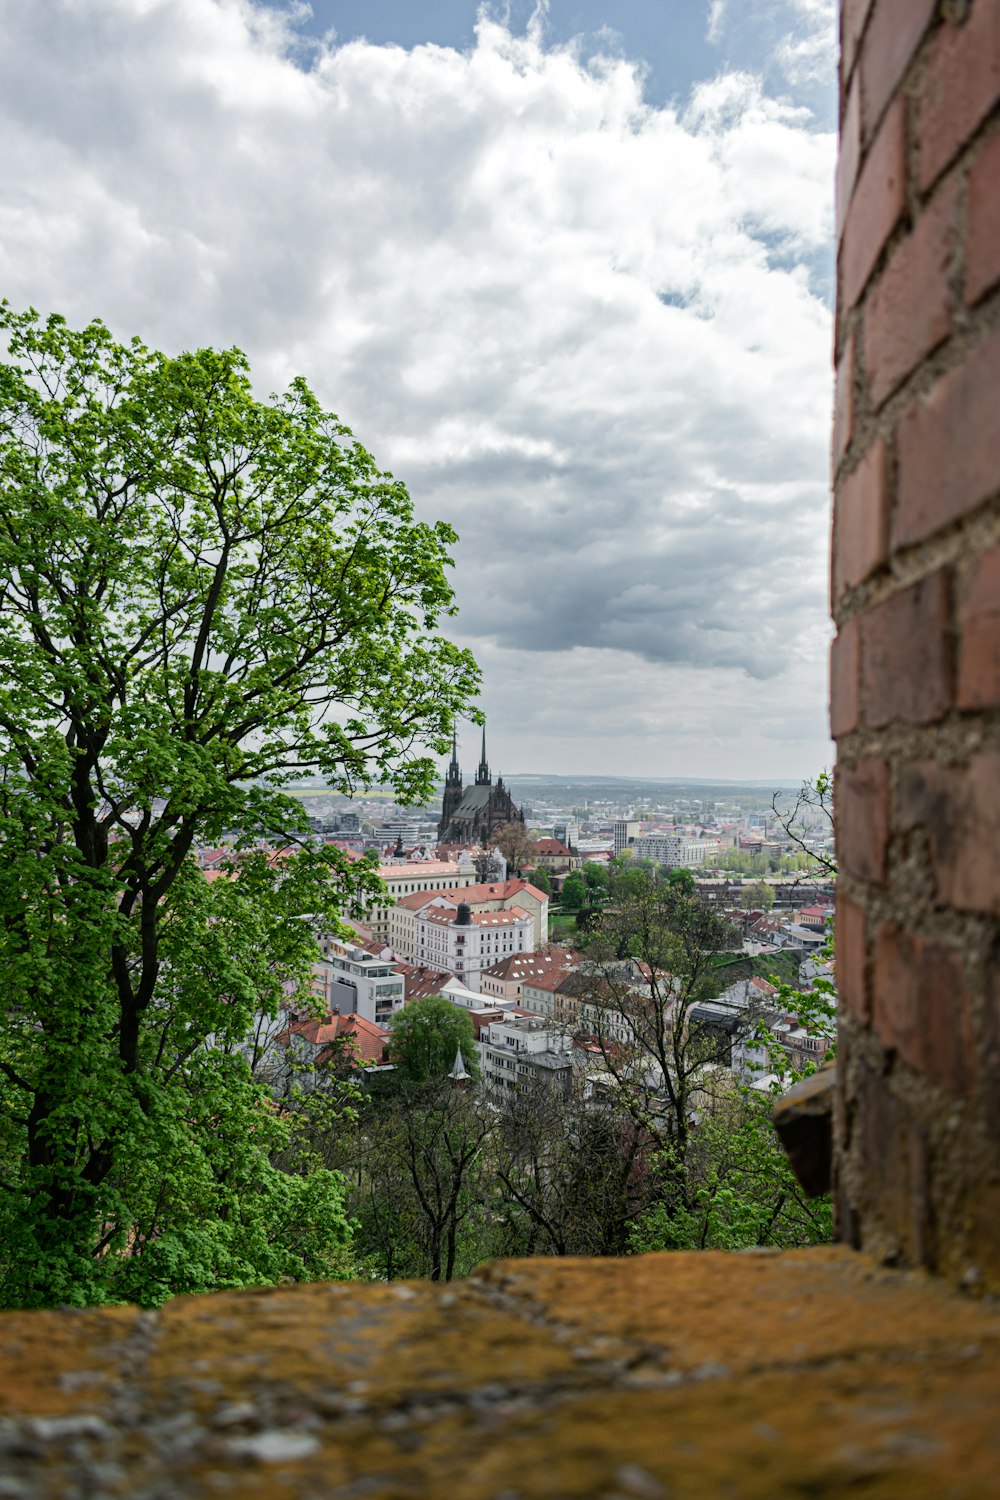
x: 469, y: 816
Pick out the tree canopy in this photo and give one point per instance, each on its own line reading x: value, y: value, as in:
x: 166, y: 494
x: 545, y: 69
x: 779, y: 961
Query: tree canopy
x: 425, y: 1036
x: 205, y: 596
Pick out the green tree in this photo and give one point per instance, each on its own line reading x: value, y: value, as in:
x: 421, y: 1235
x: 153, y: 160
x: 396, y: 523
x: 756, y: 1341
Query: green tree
x: 540, y: 880
x: 652, y: 960
x: 425, y: 1036
x: 682, y: 880
x: 759, y: 896
x: 425, y: 1180
x: 574, y: 892
x: 597, y: 878
x: 205, y: 596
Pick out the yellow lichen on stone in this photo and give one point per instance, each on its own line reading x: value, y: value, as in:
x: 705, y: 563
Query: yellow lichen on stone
x: 814, y: 1372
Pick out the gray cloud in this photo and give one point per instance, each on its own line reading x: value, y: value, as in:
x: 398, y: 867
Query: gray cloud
x: 591, y: 333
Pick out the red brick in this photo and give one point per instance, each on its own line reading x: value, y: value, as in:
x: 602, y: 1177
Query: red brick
x: 853, y: 15
x: 892, y: 1171
x: 949, y: 453
x: 979, y: 636
x: 843, y: 406
x: 859, y: 527
x: 875, y: 209
x: 894, y: 33
x: 958, y: 810
x: 922, y: 1008
x: 960, y: 87
x: 908, y: 312
x: 852, y: 959
x: 982, y: 238
x: 906, y: 644
x: 850, y: 153
x: 845, y: 680
x: 862, y: 818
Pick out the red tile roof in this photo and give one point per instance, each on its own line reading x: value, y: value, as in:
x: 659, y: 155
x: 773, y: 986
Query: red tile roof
x: 551, y: 847
x: 369, y: 1039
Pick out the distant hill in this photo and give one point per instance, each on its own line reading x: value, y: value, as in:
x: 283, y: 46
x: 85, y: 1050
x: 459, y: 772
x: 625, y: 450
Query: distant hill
x: 621, y: 788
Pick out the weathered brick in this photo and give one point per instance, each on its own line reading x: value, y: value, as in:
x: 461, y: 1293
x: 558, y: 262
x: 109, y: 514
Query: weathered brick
x: 862, y: 803
x: 990, y: 1070
x: 850, y: 153
x: 876, y: 207
x: 908, y: 312
x: 852, y: 959
x: 895, y: 1152
x: 894, y: 33
x: 979, y: 636
x: 906, y: 646
x: 959, y: 811
x: 922, y: 1007
x: 949, y: 456
x: 843, y: 405
x: 860, y: 522
x: 845, y: 680
x: 853, y: 15
x: 960, y: 86
x: 982, y: 236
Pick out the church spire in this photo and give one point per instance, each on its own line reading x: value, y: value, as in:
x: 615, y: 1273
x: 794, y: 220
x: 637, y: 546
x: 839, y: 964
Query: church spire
x: 454, y: 774
x: 483, y: 774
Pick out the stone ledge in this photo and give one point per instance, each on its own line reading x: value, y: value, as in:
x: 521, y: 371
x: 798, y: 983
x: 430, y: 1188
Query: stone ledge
x: 811, y: 1372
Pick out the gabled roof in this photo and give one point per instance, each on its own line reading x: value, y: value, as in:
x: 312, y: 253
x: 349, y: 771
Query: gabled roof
x: 369, y: 1039
x: 419, y: 899
x: 528, y: 968
x: 419, y: 981
x: 443, y: 917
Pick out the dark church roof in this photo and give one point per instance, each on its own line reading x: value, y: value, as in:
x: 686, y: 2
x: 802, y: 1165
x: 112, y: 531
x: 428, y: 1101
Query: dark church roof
x: 475, y: 800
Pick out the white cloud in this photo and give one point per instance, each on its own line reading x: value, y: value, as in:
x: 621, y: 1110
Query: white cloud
x: 586, y: 330
x: 716, y: 20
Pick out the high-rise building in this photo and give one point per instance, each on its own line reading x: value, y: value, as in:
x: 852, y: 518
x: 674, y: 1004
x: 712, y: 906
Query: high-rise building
x: 625, y: 830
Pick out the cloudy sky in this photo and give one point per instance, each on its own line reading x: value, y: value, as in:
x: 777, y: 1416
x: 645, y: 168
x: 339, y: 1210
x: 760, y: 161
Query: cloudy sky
x: 565, y: 269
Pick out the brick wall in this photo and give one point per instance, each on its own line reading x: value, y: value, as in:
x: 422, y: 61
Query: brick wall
x: 915, y: 671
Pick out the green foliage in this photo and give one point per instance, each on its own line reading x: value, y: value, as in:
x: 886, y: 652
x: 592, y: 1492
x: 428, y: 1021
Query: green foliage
x: 596, y: 877
x: 205, y: 597
x: 540, y: 880
x: 759, y: 896
x: 421, y: 1182
x: 682, y: 880
x: 740, y: 1190
x: 425, y: 1036
x: 723, y: 1179
x: 574, y: 892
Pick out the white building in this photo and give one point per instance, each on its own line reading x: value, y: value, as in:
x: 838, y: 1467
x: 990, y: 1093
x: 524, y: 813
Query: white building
x: 517, y: 1049
x: 351, y: 980
x: 416, y: 875
x: 672, y: 850
x: 466, y: 942
x: 408, y: 940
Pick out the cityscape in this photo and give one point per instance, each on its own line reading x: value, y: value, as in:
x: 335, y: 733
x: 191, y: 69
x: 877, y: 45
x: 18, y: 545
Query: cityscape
x: 499, y: 748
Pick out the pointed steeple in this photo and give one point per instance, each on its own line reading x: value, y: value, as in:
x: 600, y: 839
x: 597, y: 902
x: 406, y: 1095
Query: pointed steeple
x: 459, y: 1073
x: 454, y: 774
x: 483, y: 774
